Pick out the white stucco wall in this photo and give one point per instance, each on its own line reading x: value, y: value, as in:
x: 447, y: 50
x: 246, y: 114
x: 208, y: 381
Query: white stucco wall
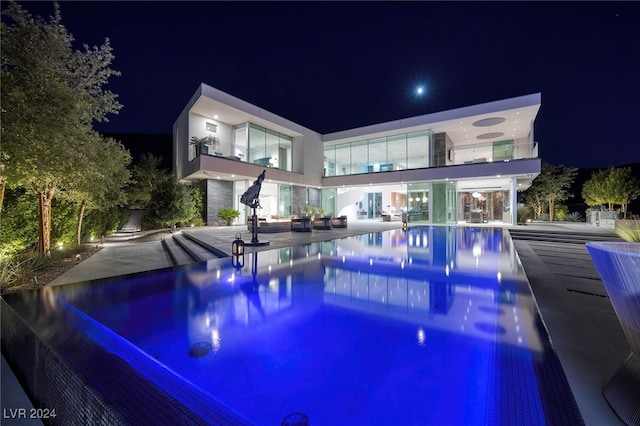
x: 197, y: 128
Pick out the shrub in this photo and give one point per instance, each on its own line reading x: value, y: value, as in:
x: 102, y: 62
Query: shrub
x: 524, y: 214
x: 560, y: 212
x: 228, y: 214
x: 573, y: 217
x: 628, y: 230
x: 544, y: 217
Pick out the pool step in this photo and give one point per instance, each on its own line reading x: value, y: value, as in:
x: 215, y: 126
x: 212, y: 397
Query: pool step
x: 184, y: 249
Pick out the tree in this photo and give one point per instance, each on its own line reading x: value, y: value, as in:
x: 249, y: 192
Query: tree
x: 51, y: 95
x: 534, y: 198
x: 625, y: 187
x: 595, y: 192
x: 170, y: 203
x: 550, y: 186
x: 145, y: 176
x: 103, y: 179
x: 611, y: 186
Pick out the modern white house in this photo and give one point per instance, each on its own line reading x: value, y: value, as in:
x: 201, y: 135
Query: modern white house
x: 457, y: 166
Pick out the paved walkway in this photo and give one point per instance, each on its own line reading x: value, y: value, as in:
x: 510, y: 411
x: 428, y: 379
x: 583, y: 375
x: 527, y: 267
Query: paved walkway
x: 583, y: 327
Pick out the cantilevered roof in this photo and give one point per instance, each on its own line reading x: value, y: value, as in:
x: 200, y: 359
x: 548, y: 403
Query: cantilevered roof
x: 499, y: 120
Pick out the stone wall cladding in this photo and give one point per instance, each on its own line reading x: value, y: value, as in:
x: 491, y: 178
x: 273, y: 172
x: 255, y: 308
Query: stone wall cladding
x: 298, y: 199
x: 219, y: 194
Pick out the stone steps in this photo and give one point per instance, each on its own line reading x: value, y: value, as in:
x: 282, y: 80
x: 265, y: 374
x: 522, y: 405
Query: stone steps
x: 184, y: 249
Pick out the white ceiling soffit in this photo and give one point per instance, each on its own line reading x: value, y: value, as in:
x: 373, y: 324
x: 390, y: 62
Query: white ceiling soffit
x: 208, y: 107
x: 491, y: 123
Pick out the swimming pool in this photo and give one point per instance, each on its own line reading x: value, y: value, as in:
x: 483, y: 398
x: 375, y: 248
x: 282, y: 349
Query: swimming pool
x: 435, y: 325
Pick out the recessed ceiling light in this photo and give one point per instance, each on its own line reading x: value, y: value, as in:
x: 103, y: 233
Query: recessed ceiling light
x: 215, y: 116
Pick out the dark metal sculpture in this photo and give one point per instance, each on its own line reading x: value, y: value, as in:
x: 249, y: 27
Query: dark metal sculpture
x: 251, y: 198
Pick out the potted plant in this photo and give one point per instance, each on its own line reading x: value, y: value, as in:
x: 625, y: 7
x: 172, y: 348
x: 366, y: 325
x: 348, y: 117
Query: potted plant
x: 309, y: 211
x: 228, y: 215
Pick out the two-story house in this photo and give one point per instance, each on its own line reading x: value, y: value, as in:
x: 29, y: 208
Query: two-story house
x: 456, y: 166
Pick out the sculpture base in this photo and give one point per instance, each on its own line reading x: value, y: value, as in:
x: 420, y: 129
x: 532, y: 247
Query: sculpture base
x: 257, y: 243
x: 623, y: 391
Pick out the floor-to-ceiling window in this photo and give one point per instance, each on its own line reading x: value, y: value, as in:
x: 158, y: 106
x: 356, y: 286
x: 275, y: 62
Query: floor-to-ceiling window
x: 343, y: 160
x: 483, y: 206
x: 397, y: 152
x: 268, y: 148
x: 444, y: 202
x: 418, y: 146
x: 330, y: 161
x: 257, y: 146
x: 377, y: 158
x: 359, y: 157
x: 240, y: 141
x: 284, y: 200
x: 329, y: 201
x: 418, y: 202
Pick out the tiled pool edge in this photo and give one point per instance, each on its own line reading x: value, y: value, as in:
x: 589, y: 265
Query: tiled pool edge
x: 551, y: 375
x: 54, y: 382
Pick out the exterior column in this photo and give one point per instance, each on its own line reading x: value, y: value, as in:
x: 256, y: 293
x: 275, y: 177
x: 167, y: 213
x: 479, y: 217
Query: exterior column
x: 430, y: 186
x: 513, y: 196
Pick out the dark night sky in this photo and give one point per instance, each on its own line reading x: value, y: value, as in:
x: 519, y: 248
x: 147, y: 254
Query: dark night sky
x: 333, y: 66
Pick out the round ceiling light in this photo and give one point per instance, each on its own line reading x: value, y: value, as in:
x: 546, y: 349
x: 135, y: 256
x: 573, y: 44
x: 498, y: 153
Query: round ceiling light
x: 486, y: 122
x: 490, y: 135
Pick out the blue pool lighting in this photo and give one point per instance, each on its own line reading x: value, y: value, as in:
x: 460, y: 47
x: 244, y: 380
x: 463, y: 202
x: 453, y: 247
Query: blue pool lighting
x: 429, y: 326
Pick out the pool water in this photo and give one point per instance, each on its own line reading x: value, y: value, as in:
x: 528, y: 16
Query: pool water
x: 430, y: 326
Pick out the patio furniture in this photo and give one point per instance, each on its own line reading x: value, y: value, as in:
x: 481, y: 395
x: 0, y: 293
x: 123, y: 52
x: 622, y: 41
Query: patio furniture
x: 301, y: 225
x: 339, y: 222
x: 322, y: 223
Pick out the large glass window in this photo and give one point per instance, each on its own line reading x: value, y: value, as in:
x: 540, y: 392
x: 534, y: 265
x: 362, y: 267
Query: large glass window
x: 329, y: 201
x: 272, y: 149
x: 418, y: 202
x: 240, y: 141
x: 343, y: 159
x: 330, y: 161
x: 284, y: 201
x: 257, y: 146
x: 377, y: 155
x: 418, y: 146
x: 397, y: 152
x: 359, y: 157
x: 444, y: 202
x: 284, y: 153
x: 268, y: 148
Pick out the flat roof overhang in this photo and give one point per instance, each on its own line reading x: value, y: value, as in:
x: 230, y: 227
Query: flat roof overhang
x: 493, y: 121
x: 210, y: 102
x: 228, y: 169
